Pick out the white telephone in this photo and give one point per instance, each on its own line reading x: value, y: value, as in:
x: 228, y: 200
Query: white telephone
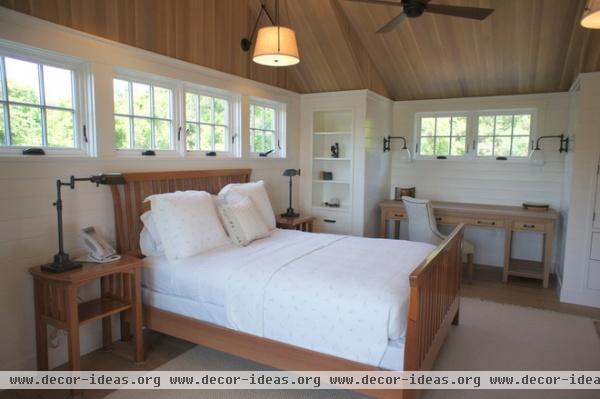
x: 100, y: 250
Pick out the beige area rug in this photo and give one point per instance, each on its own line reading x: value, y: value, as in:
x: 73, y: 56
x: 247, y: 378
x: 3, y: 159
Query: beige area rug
x: 490, y: 336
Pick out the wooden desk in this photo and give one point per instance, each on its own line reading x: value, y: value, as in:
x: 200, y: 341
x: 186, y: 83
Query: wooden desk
x: 56, y: 304
x: 507, y: 218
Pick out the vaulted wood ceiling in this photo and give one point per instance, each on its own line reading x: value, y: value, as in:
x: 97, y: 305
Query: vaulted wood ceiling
x: 526, y: 46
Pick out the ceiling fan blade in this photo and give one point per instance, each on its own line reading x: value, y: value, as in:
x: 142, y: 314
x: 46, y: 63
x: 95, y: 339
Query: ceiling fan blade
x: 459, y: 11
x: 382, y: 2
x: 393, y: 23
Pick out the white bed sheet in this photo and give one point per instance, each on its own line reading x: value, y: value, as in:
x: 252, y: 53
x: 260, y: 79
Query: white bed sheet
x: 393, y: 359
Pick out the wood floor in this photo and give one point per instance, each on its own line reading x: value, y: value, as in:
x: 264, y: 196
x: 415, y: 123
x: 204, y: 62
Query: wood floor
x: 487, y: 285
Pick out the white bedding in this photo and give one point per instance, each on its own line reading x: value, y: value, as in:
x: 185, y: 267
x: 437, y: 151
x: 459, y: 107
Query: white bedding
x: 345, y: 296
x: 215, y: 314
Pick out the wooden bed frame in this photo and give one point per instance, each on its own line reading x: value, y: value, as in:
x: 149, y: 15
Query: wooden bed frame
x: 434, y: 289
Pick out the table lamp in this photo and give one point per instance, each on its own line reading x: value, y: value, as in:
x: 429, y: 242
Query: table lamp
x: 62, y: 262
x: 290, y: 211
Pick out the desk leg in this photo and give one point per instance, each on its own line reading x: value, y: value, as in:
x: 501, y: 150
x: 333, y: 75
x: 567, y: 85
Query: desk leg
x: 382, y: 227
x: 41, y: 334
x: 548, y: 238
x: 507, y: 249
x: 137, y: 316
x: 73, y: 327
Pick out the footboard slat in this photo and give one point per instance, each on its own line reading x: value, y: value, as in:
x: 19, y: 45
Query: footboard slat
x: 434, y: 302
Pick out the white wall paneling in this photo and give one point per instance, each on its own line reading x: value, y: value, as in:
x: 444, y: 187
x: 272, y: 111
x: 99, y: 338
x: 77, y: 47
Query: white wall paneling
x: 28, y: 219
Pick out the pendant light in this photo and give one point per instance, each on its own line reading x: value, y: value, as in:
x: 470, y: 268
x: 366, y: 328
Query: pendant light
x: 591, y: 15
x: 275, y: 45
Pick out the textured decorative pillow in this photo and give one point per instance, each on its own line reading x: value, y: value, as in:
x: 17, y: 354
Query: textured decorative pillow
x: 242, y: 221
x: 187, y: 223
x: 233, y: 193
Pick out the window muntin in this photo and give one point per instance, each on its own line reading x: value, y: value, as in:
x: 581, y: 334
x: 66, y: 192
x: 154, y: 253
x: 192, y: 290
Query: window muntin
x: 443, y: 135
x: 264, y: 121
x: 143, y: 115
x: 504, y: 134
x: 208, y: 122
x: 37, y: 105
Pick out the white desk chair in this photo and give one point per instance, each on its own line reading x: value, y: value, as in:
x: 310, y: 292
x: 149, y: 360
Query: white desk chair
x: 423, y: 228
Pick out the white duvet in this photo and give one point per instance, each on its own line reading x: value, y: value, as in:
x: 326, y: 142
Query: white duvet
x: 344, y: 296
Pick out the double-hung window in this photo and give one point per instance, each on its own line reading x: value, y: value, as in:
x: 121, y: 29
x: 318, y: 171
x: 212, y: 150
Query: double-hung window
x: 267, y: 128
x: 504, y: 134
x: 143, y: 115
x: 442, y: 135
x: 41, y: 99
x: 209, y: 123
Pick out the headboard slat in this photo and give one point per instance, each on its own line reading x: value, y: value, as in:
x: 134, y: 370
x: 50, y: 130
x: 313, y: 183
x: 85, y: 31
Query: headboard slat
x: 128, y: 198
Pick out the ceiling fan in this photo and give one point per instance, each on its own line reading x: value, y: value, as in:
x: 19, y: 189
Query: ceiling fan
x: 416, y: 8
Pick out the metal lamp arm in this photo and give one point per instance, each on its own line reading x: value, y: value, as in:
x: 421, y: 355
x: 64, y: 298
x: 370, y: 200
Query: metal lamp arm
x: 247, y: 42
x: 387, y: 141
x: 564, y: 142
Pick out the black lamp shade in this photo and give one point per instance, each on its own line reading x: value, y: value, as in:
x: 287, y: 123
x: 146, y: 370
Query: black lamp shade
x: 291, y: 172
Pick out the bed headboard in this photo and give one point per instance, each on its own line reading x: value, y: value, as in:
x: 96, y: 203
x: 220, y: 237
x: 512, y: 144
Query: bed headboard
x: 128, y: 198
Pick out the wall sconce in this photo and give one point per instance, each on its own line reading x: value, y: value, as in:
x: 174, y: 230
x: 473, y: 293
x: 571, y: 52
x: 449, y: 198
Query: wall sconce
x: 405, y: 155
x: 537, y: 156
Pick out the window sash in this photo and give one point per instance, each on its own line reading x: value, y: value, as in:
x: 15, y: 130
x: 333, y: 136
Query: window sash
x: 494, y: 136
x: 435, y: 136
x: 227, y: 138
x: 152, y: 118
x: 42, y: 106
x: 275, y: 133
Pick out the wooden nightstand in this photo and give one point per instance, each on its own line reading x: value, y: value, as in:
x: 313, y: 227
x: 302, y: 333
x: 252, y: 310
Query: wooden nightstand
x: 302, y: 223
x: 56, y: 304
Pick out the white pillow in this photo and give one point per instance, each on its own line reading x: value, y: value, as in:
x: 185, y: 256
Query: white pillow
x: 233, y: 193
x: 148, y: 244
x: 151, y: 228
x: 243, y: 222
x: 187, y: 223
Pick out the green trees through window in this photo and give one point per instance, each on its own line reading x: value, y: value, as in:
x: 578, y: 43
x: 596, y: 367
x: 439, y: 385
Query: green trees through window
x: 36, y: 105
x: 443, y: 136
x: 143, y: 117
x: 207, y: 122
x: 504, y: 135
x: 263, y: 132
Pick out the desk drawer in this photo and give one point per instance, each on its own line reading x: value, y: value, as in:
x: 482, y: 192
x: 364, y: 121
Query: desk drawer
x: 529, y: 226
x: 469, y: 221
x: 395, y: 214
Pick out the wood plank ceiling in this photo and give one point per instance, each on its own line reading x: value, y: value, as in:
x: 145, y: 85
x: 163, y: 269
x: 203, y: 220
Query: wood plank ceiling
x: 526, y: 46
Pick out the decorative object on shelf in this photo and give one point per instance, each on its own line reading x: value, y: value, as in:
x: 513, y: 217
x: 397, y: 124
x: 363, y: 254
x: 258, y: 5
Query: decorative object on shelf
x: 405, y: 156
x: 62, y: 262
x: 333, y: 203
x: 537, y: 156
x: 400, y: 192
x: 275, y: 45
x: 327, y: 175
x: 290, y: 211
x: 335, y: 150
x: 591, y: 15
x: 531, y: 206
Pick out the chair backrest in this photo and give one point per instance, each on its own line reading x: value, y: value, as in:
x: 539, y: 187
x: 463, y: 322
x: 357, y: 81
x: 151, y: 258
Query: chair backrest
x: 421, y: 222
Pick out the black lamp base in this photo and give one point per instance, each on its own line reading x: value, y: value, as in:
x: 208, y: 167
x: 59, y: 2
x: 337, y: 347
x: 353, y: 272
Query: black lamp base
x: 61, y: 264
x: 290, y: 213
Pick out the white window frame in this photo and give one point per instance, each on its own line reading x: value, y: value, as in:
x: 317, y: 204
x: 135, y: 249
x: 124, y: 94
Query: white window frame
x: 233, y: 116
x: 280, y: 127
x: 503, y: 112
x: 83, y: 115
x: 152, y: 80
x: 473, y: 132
x: 442, y: 114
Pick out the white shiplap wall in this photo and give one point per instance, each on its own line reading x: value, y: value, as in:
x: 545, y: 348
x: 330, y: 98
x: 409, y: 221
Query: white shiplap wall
x: 28, y: 219
x: 483, y: 181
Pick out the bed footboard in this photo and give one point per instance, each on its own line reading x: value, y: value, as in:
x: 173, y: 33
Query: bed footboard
x: 434, y: 302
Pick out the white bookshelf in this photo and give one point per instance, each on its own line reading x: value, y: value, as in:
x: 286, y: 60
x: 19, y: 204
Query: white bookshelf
x: 329, y: 128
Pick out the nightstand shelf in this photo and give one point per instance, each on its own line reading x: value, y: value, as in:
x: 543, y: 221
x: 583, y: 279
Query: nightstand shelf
x: 100, y: 308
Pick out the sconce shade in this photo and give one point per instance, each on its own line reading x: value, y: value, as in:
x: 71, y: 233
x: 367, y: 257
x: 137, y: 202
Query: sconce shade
x: 291, y: 172
x: 591, y: 15
x: 536, y: 157
x: 276, y: 46
x: 405, y: 156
